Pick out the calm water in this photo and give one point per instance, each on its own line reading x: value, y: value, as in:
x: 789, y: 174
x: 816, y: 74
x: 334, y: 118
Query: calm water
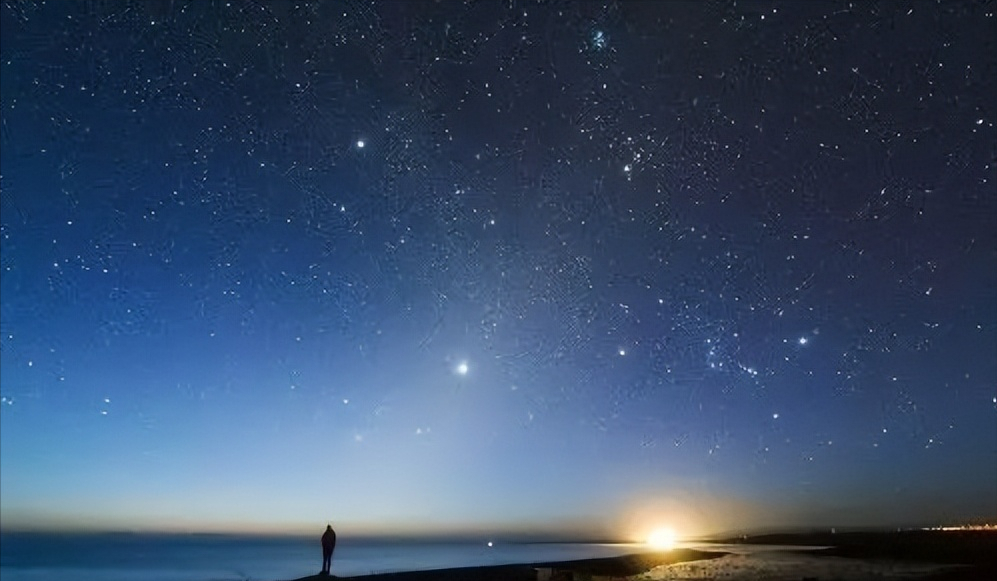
x: 37, y: 557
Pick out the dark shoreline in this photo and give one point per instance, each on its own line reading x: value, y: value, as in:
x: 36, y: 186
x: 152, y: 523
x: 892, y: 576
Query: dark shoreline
x: 956, y: 547
x: 971, y: 555
x: 622, y: 566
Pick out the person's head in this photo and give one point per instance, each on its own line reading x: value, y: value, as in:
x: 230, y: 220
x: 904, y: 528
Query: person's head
x: 328, y: 527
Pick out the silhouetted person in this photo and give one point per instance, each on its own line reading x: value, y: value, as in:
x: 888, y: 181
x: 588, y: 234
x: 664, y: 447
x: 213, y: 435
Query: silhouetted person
x: 328, y: 545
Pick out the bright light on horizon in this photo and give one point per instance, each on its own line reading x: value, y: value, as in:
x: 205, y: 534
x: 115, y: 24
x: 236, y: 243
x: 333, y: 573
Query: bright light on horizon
x: 662, y: 539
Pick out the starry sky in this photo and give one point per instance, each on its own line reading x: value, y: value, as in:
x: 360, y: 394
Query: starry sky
x: 586, y: 268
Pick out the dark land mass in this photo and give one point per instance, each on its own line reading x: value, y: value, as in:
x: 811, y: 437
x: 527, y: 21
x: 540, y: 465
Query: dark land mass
x: 622, y: 566
x: 977, y: 550
x: 967, y: 547
x: 627, y: 565
x: 973, y: 555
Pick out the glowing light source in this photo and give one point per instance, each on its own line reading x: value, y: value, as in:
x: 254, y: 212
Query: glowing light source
x: 599, y: 39
x: 662, y: 539
x: 462, y: 368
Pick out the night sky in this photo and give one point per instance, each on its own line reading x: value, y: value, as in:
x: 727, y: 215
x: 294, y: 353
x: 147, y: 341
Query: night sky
x: 427, y: 267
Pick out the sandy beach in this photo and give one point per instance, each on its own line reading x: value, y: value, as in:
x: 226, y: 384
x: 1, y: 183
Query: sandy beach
x: 798, y: 565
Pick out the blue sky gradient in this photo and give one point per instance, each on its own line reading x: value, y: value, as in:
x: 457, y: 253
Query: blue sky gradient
x: 422, y: 268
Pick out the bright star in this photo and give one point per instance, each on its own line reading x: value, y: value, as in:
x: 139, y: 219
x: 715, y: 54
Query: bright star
x: 360, y: 143
x: 462, y: 368
x: 599, y: 40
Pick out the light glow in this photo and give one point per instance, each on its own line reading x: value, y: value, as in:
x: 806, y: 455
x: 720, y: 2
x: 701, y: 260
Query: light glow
x: 662, y: 539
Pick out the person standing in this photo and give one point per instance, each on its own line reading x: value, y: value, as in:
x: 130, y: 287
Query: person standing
x: 328, y: 545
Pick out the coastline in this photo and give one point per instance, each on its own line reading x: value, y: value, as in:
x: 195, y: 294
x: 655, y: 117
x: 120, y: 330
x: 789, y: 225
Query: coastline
x: 909, y: 555
x: 612, y: 567
x: 975, y: 548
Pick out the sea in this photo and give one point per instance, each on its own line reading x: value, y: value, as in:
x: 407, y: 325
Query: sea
x: 154, y: 557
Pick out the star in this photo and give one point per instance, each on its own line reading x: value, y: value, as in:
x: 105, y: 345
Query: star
x: 599, y: 40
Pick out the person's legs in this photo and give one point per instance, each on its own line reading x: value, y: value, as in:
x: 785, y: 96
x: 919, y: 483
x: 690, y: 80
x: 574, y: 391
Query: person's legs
x: 326, y: 560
